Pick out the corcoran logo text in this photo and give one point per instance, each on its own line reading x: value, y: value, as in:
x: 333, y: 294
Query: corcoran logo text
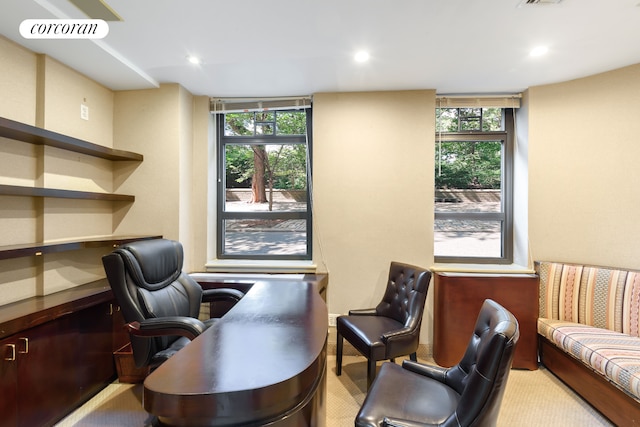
x: 64, y: 28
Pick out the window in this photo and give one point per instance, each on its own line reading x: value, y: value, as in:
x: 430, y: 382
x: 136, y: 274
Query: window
x: 473, y: 179
x: 263, y: 193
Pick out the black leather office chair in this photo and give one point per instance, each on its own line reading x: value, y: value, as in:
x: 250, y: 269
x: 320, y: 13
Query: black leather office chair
x: 159, y: 302
x: 468, y: 394
x: 392, y: 328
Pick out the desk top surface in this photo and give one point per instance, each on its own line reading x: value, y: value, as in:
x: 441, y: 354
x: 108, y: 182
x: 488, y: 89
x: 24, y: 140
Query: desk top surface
x: 258, y: 361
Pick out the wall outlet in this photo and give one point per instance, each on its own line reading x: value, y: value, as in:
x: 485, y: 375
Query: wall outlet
x: 332, y: 319
x: 84, y: 112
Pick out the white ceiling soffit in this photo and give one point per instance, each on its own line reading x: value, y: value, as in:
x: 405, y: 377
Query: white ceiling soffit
x: 97, y: 9
x: 105, y: 65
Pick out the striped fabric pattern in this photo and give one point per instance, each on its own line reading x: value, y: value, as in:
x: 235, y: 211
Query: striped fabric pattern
x: 614, y: 355
x: 593, y: 313
x: 596, y: 296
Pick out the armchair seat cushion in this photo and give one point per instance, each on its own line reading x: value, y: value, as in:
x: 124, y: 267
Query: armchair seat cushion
x: 174, y: 347
x: 158, y: 358
x: 365, y: 334
x: 407, y: 395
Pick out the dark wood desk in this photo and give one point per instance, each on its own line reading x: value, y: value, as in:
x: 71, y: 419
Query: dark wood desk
x: 263, y: 363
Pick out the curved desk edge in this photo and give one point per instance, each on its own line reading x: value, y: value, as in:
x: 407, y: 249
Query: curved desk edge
x: 263, y: 363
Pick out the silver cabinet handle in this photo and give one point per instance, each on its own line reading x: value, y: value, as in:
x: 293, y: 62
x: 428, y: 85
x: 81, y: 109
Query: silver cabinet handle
x: 26, y: 345
x: 13, y: 353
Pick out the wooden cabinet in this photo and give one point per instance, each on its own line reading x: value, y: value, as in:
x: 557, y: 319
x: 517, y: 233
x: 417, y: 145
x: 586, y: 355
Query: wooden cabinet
x: 44, y: 363
x: 9, y: 382
x: 457, y: 301
x: 120, y: 335
x: 93, y: 348
x: 63, y: 359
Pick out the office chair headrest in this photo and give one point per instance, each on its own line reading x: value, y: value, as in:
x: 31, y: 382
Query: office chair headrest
x: 152, y: 264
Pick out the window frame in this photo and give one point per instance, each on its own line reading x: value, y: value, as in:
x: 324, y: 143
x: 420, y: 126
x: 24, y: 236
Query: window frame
x: 222, y: 215
x: 507, y: 138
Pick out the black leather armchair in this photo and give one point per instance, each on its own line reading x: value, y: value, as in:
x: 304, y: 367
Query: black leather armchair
x: 468, y: 394
x: 159, y: 302
x: 392, y: 328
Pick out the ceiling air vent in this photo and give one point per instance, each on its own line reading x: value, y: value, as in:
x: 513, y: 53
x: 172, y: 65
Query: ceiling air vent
x: 533, y: 2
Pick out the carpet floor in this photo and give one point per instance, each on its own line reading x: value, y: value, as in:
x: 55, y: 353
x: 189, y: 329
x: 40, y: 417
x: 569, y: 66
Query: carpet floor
x: 532, y: 398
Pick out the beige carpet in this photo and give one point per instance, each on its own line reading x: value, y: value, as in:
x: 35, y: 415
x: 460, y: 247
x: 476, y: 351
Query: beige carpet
x: 532, y: 398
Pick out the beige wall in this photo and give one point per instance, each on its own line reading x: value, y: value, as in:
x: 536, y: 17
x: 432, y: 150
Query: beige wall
x: 64, y: 90
x: 18, y: 166
x: 584, y: 145
x: 17, y: 83
x: 163, y: 124
x: 372, y: 190
x: 37, y: 90
x: 203, y: 184
x: 170, y: 128
x: 149, y: 122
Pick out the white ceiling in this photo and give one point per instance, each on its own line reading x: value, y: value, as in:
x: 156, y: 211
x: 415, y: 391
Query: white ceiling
x: 299, y: 47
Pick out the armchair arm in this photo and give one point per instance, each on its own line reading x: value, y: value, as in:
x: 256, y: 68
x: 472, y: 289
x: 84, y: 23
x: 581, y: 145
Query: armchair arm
x: 395, y: 334
x: 221, y: 294
x: 175, y: 325
x: 432, y: 371
x: 363, y: 312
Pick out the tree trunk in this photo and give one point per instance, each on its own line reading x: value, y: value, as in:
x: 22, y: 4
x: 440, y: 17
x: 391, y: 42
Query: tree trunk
x: 270, y: 193
x: 258, y: 190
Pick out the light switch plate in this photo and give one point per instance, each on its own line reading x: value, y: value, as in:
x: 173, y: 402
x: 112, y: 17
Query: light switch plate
x: 84, y: 112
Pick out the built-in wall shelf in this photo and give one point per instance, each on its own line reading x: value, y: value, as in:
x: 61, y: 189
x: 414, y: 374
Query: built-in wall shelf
x: 17, y: 190
x: 38, y: 136
x: 41, y: 248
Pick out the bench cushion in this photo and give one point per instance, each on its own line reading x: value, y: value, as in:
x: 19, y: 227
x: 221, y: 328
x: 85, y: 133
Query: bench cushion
x: 614, y: 355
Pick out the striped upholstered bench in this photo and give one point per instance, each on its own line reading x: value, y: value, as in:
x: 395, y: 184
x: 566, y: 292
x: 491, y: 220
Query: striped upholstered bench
x: 589, y: 334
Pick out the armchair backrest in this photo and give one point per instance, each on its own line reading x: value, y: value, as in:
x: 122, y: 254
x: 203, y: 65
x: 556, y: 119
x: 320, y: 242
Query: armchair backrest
x: 481, y: 376
x: 147, y: 280
x: 405, y: 294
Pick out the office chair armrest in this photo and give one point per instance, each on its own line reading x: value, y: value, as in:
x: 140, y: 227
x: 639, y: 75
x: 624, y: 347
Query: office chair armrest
x: 363, y: 312
x: 431, y: 371
x: 400, y: 333
x: 166, y: 326
x: 222, y: 294
x: 395, y: 422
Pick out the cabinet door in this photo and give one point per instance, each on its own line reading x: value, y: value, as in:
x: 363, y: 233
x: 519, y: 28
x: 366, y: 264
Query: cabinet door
x: 120, y: 334
x: 46, y: 365
x: 8, y: 383
x: 95, y: 367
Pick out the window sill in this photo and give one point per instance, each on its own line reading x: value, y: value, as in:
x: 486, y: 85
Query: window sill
x: 482, y: 268
x: 249, y: 266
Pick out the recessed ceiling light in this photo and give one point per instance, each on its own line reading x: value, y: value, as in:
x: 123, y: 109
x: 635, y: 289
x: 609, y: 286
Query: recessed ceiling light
x: 361, y: 56
x: 194, y: 60
x: 539, y: 51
